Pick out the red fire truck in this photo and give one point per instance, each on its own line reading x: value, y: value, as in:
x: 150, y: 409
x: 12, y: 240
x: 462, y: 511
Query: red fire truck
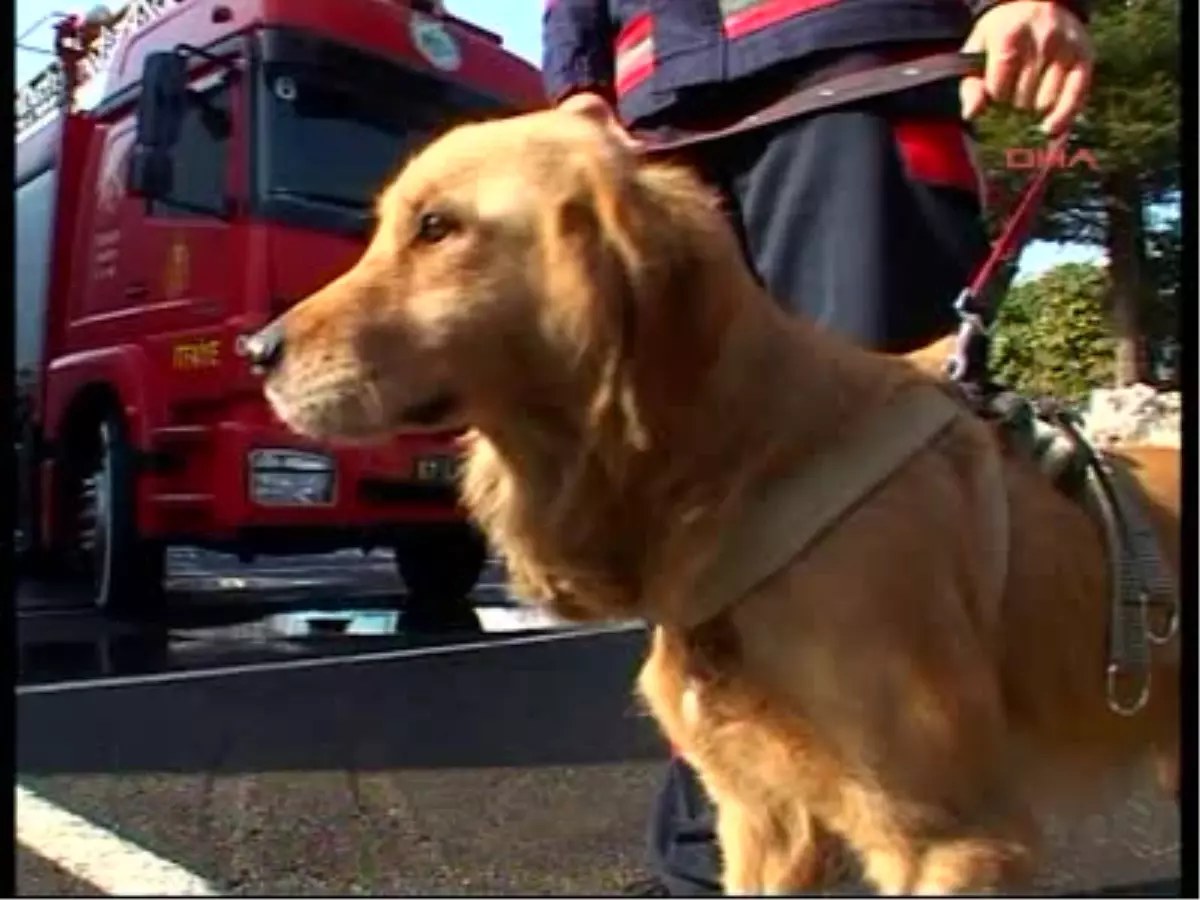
x: 185, y: 170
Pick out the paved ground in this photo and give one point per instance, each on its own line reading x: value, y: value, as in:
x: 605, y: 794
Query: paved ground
x: 474, y: 772
x: 269, y: 760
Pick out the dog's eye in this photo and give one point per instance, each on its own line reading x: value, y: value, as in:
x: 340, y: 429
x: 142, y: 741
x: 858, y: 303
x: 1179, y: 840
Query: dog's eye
x: 435, y: 226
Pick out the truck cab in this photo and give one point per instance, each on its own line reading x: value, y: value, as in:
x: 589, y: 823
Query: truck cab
x: 225, y: 167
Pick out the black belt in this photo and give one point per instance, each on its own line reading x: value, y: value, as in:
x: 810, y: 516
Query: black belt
x: 828, y: 94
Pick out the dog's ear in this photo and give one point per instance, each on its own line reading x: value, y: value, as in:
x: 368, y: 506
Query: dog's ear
x: 599, y: 279
x: 639, y: 248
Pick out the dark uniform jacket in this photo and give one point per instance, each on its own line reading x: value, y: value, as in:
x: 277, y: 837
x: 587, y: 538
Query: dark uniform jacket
x: 647, y: 55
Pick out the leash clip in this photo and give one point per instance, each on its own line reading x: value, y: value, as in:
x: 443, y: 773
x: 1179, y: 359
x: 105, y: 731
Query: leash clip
x: 1115, y: 700
x: 1165, y: 637
x: 969, y: 360
x: 970, y: 363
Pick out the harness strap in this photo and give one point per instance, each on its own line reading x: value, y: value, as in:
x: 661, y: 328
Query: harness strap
x: 1139, y: 575
x: 793, y: 513
x: 1154, y: 576
x: 1140, y: 579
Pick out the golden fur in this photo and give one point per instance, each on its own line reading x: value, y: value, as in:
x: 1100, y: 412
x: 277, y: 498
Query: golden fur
x: 625, y: 383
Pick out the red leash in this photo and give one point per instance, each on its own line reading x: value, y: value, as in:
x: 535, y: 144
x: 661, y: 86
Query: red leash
x: 973, y: 305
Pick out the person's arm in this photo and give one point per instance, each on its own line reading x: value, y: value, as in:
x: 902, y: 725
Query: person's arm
x: 577, y: 49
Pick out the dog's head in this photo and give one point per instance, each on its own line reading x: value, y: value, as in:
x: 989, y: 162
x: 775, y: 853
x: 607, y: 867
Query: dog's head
x: 519, y: 268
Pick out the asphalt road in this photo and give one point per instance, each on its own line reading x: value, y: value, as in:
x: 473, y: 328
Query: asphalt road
x: 223, y: 613
x: 267, y: 756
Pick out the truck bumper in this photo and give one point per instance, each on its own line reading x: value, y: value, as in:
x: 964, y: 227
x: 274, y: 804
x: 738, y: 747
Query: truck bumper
x: 251, y: 504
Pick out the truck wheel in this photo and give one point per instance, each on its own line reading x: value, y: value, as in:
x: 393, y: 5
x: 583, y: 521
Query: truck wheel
x: 125, y: 572
x: 440, y: 565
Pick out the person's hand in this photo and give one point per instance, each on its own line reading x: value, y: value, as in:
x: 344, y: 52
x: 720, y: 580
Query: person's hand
x: 597, y: 108
x: 1038, y: 57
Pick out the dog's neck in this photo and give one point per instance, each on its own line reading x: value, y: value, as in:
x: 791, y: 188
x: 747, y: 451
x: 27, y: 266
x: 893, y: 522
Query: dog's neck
x: 590, y: 524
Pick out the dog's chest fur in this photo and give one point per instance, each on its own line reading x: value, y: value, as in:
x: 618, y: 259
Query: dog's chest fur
x: 555, y: 530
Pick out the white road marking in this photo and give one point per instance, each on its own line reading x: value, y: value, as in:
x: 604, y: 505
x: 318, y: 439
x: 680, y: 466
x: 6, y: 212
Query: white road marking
x: 321, y: 662
x: 496, y: 619
x: 273, y: 578
x: 105, y: 860
x: 325, y: 572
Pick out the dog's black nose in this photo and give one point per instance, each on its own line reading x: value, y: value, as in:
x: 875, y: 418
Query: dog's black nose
x: 265, y: 349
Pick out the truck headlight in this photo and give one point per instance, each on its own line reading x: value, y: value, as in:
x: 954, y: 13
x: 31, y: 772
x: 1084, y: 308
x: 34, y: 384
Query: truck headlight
x: 280, y: 477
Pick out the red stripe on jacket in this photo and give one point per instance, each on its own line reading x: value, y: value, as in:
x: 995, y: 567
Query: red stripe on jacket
x: 767, y: 13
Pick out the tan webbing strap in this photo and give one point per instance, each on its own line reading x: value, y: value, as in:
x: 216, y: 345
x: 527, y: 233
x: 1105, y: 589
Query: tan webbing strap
x: 793, y: 513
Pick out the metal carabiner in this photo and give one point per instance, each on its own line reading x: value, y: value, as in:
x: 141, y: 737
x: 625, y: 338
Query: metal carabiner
x: 1158, y: 638
x: 1114, y: 700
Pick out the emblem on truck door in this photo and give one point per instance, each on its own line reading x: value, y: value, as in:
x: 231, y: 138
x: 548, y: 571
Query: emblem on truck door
x: 435, y: 42
x: 203, y: 353
x: 176, y: 272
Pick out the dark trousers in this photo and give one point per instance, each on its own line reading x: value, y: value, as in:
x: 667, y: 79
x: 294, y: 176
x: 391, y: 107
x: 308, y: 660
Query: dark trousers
x: 839, y: 231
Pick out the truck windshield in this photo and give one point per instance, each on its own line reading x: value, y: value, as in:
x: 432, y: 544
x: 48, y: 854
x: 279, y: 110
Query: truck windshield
x: 336, y: 125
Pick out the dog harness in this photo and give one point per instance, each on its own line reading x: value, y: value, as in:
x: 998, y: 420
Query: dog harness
x: 791, y: 515
x: 1142, y: 580
x: 794, y: 513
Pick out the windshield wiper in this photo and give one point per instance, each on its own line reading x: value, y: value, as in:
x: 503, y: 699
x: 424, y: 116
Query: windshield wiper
x: 317, y: 197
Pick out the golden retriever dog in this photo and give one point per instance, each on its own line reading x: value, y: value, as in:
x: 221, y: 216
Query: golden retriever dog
x: 625, y: 388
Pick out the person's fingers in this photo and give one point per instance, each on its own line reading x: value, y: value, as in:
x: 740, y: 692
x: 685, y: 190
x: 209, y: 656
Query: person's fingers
x: 1038, y: 57
x: 1071, y: 98
x: 973, y: 96
x: 1006, y: 57
x: 1048, y: 89
x: 1025, y: 90
x: 1027, y: 46
x: 598, y: 110
x: 1051, y: 48
x: 590, y: 105
x: 972, y: 93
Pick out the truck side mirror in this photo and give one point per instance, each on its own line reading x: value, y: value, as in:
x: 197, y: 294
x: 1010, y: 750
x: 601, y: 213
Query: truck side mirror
x: 161, y: 109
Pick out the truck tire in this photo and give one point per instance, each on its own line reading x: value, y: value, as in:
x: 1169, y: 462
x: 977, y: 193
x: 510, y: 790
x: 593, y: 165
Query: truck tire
x: 440, y: 565
x: 124, y: 572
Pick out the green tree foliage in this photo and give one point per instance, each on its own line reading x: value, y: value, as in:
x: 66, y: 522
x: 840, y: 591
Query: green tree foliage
x: 1053, y: 336
x: 1164, y: 257
x: 1131, y: 128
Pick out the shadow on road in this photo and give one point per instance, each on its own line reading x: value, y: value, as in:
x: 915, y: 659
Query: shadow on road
x: 566, y: 701
x: 230, y: 615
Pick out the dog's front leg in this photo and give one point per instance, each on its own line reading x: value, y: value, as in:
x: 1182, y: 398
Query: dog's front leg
x: 743, y: 834
x: 774, y: 853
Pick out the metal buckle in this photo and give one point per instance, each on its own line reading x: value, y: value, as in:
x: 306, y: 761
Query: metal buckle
x: 1158, y: 638
x: 972, y: 327
x: 1116, y: 668
x: 1114, y: 699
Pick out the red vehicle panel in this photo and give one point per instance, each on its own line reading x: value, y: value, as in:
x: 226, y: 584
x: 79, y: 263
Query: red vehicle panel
x: 133, y: 301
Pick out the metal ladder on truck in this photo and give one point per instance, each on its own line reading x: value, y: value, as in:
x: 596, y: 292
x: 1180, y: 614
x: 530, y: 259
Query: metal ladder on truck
x: 83, y: 47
